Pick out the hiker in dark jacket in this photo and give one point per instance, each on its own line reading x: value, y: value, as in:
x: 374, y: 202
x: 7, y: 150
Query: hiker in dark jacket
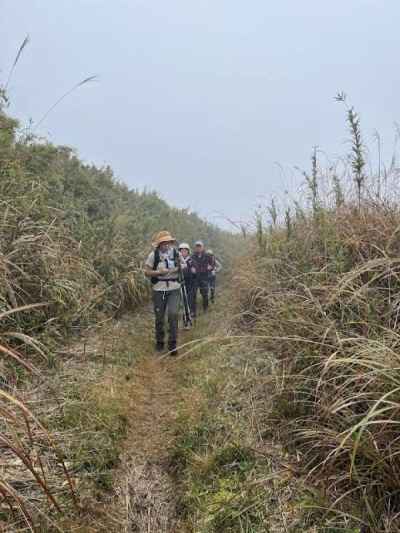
x: 201, y: 266
x: 184, y: 250
x: 161, y: 267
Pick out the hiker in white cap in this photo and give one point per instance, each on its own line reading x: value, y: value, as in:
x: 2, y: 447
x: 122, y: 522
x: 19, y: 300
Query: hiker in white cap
x: 201, y: 266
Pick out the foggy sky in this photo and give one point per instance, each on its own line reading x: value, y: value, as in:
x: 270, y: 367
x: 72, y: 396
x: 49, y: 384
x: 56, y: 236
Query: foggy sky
x: 199, y: 98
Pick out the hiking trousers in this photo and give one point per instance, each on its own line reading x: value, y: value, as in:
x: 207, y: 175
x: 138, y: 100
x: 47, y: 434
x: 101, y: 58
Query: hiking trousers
x: 200, y: 284
x: 166, y: 302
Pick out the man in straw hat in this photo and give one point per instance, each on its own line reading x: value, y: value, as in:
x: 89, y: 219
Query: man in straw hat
x: 162, y: 267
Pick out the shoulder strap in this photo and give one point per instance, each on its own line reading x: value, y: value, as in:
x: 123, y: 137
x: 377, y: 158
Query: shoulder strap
x: 156, y: 258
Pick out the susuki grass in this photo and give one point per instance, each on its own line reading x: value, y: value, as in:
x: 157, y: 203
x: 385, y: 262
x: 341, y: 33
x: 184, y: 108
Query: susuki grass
x: 72, y: 243
x: 322, y: 295
x: 32, y: 461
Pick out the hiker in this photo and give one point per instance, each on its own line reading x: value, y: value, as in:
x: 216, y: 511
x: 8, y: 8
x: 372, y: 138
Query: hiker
x: 217, y: 266
x: 162, y: 267
x: 188, y: 275
x: 201, y: 266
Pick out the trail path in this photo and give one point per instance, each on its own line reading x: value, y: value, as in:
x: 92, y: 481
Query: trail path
x: 156, y: 392
x: 149, y: 492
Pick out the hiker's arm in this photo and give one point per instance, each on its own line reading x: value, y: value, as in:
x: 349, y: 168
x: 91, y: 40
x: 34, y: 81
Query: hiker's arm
x: 150, y: 273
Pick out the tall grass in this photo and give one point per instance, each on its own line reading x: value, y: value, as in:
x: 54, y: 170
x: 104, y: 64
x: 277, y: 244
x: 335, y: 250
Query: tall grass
x: 324, y: 300
x: 72, y: 243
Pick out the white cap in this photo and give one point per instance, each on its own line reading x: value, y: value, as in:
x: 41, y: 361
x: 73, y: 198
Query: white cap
x: 184, y: 245
x: 199, y: 243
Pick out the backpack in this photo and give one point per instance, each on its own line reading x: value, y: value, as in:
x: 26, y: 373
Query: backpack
x: 157, y: 260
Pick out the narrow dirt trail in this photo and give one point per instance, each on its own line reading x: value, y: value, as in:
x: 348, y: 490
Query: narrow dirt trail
x: 155, y: 393
x: 149, y: 492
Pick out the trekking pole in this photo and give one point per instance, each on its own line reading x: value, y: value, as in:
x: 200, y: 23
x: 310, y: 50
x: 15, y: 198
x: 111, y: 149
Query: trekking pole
x: 186, y: 308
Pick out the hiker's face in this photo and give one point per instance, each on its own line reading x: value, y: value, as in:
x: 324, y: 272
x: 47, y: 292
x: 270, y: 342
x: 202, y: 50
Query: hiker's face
x: 164, y: 246
x: 199, y: 249
x: 184, y: 252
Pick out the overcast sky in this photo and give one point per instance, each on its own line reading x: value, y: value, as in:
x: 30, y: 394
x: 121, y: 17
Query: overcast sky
x: 199, y: 98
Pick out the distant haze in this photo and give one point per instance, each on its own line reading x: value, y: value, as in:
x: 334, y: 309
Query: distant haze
x: 199, y: 98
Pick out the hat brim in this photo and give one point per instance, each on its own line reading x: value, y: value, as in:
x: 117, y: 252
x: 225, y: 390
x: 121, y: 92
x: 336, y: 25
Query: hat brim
x: 165, y: 241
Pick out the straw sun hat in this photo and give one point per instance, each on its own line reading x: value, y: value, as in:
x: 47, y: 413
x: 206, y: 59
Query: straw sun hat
x: 162, y: 236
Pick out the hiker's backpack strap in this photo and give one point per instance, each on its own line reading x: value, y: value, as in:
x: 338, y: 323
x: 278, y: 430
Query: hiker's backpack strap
x: 176, y: 257
x: 156, y: 258
x: 156, y: 262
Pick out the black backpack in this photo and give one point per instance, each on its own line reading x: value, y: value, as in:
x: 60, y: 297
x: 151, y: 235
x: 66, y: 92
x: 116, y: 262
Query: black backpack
x: 157, y: 260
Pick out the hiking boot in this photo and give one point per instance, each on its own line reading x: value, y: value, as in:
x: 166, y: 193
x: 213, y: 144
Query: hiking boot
x: 187, y: 327
x: 159, y: 347
x: 172, y: 349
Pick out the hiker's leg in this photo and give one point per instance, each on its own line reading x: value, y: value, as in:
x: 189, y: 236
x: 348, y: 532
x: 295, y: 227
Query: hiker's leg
x: 190, y: 293
x: 160, y: 303
x: 204, y: 292
x: 173, y: 312
x: 194, y: 297
x: 212, y: 288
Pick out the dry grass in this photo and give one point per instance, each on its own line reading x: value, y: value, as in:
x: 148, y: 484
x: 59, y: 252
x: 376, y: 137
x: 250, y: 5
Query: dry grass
x: 33, y: 471
x: 324, y: 303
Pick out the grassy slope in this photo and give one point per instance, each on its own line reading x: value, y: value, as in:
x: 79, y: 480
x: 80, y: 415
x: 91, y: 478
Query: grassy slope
x: 323, y: 299
x: 72, y: 239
